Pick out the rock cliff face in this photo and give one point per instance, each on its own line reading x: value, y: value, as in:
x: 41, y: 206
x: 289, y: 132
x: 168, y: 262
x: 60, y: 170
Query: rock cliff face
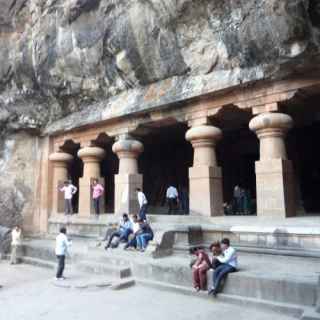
x: 61, y: 56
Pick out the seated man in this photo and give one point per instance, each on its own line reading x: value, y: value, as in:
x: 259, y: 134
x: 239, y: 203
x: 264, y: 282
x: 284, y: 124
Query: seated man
x: 144, y: 235
x: 229, y: 263
x: 125, y: 228
x: 132, y: 241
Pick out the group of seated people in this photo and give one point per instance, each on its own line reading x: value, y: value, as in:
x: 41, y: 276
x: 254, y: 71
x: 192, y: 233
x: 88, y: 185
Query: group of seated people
x: 134, y: 232
x: 224, y: 260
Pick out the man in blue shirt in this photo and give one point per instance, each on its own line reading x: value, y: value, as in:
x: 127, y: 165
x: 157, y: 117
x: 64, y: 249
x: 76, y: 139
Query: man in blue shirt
x: 125, y: 228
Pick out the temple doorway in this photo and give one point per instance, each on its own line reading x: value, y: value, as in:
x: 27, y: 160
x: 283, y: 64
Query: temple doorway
x: 237, y: 153
x: 166, y: 160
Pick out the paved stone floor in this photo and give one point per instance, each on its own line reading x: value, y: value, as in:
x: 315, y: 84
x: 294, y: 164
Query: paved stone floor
x: 29, y: 293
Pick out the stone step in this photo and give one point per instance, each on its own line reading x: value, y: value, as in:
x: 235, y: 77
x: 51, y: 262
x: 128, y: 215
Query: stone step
x: 102, y: 268
x: 283, y: 308
x: 285, y: 280
x: 38, y: 262
x: 310, y: 315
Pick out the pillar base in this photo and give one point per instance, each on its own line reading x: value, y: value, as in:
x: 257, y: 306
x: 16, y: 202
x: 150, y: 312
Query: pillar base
x: 206, y: 191
x: 85, y: 197
x: 275, y: 188
x: 126, y: 200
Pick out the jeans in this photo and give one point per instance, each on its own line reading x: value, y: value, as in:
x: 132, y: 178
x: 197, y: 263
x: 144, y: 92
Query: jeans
x: 122, y: 234
x: 68, y: 206
x: 132, y: 243
x: 61, y: 264
x: 96, y: 205
x: 143, y: 211
x: 220, y: 273
x: 143, y: 239
x: 172, y: 205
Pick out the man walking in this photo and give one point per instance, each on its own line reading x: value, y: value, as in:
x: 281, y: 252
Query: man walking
x: 97, y: 192
x: 69, y: 190
x: 172, y: 198
x: 61, y: 250
x: 143, y: 203
x: 229, y: 263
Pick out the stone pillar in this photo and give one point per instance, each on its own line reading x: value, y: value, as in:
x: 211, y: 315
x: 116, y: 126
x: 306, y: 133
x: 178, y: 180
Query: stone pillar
x: 205, y: 177
x: 60, y: 162
x: 91, y: 157
x: 128, y: 178
x: 274, y: 173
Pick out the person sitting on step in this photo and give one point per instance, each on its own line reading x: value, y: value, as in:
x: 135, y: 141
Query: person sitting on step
x: 144, y: 235
x: 132, y: 239
x: 199, y: 269
x: 125, y: 228
x: 229, y: 263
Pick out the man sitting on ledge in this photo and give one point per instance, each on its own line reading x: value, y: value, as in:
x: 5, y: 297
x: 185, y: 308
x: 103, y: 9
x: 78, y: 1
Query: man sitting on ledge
x: 125, y: 228
x: 229, y: 263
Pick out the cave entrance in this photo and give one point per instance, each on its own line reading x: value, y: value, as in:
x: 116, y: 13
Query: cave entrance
x: 166, y: 160
x: 237, y: 153
x: 303, y: 150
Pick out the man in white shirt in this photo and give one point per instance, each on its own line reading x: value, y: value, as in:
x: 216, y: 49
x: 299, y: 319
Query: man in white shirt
x: 229, y: 263
x: 15, y: 243
x: 143, y: 203
x: 61, y: 250
x: 69, y: 190
x: 172, y: 197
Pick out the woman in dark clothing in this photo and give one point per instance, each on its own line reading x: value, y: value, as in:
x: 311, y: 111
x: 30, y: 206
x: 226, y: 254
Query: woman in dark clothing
x: 145, y: 234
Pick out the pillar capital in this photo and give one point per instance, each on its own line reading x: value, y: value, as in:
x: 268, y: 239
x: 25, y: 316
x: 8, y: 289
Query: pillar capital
x: 271, y: 129
x: 203, y: 139
x: 271, y: 124
x: 127, y: 148
x: 203, y: 134
x: 91, y: 154
x: 60, y: 159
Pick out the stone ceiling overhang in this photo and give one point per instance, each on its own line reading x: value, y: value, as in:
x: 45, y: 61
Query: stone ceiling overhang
x: 199, y: 96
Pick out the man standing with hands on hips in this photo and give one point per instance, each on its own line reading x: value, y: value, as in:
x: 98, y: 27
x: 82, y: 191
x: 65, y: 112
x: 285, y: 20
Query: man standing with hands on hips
x: 69, y: 190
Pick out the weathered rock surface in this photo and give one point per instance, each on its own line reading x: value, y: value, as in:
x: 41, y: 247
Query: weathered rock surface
x: 61, y: 56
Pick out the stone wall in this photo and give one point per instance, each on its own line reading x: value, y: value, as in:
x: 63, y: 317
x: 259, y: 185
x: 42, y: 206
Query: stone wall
x: 19, y: 154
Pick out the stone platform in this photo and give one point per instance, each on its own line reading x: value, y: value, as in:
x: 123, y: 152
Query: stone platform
x: 285, y: 284
x: 298, y: 236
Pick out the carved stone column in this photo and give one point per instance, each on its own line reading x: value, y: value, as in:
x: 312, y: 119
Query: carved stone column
x: 128, y: 178
x: 274, y: 173
x: 205, y: 177
x: 60, y: 161
x: 91, y: 157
